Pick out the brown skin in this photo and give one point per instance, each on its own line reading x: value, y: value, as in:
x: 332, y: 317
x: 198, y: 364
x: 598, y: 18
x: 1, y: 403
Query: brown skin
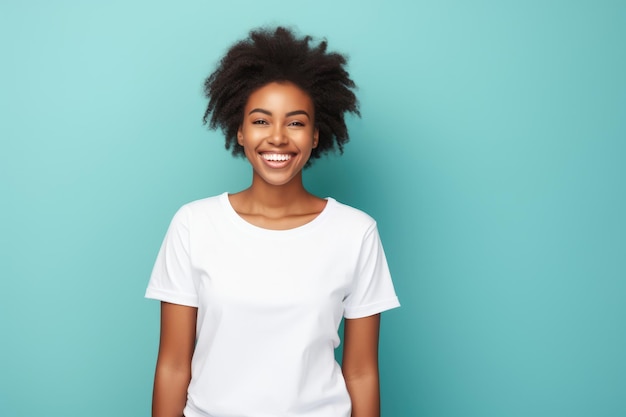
x: 173, y: 369
x: 360, y: 364
x: 278, y: 119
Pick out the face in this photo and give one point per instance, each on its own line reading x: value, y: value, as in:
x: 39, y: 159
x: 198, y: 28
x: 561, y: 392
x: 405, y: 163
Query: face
x: 278, y: 132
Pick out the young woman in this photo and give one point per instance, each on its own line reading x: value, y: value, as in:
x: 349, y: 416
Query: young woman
x: 253, y: 285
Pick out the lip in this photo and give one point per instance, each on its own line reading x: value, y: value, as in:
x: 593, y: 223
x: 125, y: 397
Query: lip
x: 284, y: 159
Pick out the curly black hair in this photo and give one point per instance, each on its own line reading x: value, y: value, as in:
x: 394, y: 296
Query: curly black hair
x: 277, y: 55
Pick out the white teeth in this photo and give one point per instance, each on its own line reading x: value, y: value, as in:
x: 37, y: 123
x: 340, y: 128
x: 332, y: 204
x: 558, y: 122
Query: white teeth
x: 276, y: 156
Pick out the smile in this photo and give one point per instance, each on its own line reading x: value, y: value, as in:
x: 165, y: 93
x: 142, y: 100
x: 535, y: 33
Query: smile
x: 276, y: 156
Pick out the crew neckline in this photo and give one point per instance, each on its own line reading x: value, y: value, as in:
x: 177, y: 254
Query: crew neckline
x: 244, y: 224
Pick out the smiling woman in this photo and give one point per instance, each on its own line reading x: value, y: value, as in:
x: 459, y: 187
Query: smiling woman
x: 278, y: 133
x: 253, y: 285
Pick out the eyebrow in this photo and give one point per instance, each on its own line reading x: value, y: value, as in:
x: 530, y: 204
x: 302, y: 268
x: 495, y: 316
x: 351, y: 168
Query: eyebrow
x: 289, y: 114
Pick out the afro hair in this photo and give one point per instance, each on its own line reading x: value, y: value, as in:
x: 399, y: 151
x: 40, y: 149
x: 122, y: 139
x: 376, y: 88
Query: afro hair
x: 277, y: 55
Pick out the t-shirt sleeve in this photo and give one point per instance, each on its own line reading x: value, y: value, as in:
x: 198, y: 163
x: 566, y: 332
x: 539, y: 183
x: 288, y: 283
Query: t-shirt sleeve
x: 172, y: 279
x: 372, y: 290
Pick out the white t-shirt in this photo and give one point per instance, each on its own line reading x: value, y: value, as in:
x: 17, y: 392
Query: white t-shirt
x: 269, y: 305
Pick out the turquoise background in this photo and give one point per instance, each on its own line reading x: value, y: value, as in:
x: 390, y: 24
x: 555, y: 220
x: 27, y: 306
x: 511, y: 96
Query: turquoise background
x: 491, y: 151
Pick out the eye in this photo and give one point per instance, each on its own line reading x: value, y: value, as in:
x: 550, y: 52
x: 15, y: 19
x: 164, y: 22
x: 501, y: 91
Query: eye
x: 259, y: 122
x: 296, y: 123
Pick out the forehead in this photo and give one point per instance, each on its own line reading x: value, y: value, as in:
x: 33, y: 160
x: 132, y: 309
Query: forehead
x: 280, y: 95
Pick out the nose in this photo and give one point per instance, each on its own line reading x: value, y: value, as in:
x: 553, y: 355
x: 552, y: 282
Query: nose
x: 278, y: 136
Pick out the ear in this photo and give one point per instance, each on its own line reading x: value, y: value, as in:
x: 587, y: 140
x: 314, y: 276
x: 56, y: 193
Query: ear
x: 316, y: 137
x: 239, y: 136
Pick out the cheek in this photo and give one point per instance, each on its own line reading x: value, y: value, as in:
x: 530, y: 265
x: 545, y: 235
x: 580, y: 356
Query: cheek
x: 247, y: 137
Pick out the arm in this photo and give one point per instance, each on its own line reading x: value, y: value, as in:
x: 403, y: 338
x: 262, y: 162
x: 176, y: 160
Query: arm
x: 360, y: 365
x: 173, y: 369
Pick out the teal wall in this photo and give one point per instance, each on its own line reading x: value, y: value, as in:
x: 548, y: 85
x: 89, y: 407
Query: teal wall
x: 491, y: 150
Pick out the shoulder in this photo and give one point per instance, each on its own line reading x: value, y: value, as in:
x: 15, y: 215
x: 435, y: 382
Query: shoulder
x: 203, y: 204
x: 197, y: 209
x: 350, y: 217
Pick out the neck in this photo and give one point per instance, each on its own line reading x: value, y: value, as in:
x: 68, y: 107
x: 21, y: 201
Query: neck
x: 277, y: 196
